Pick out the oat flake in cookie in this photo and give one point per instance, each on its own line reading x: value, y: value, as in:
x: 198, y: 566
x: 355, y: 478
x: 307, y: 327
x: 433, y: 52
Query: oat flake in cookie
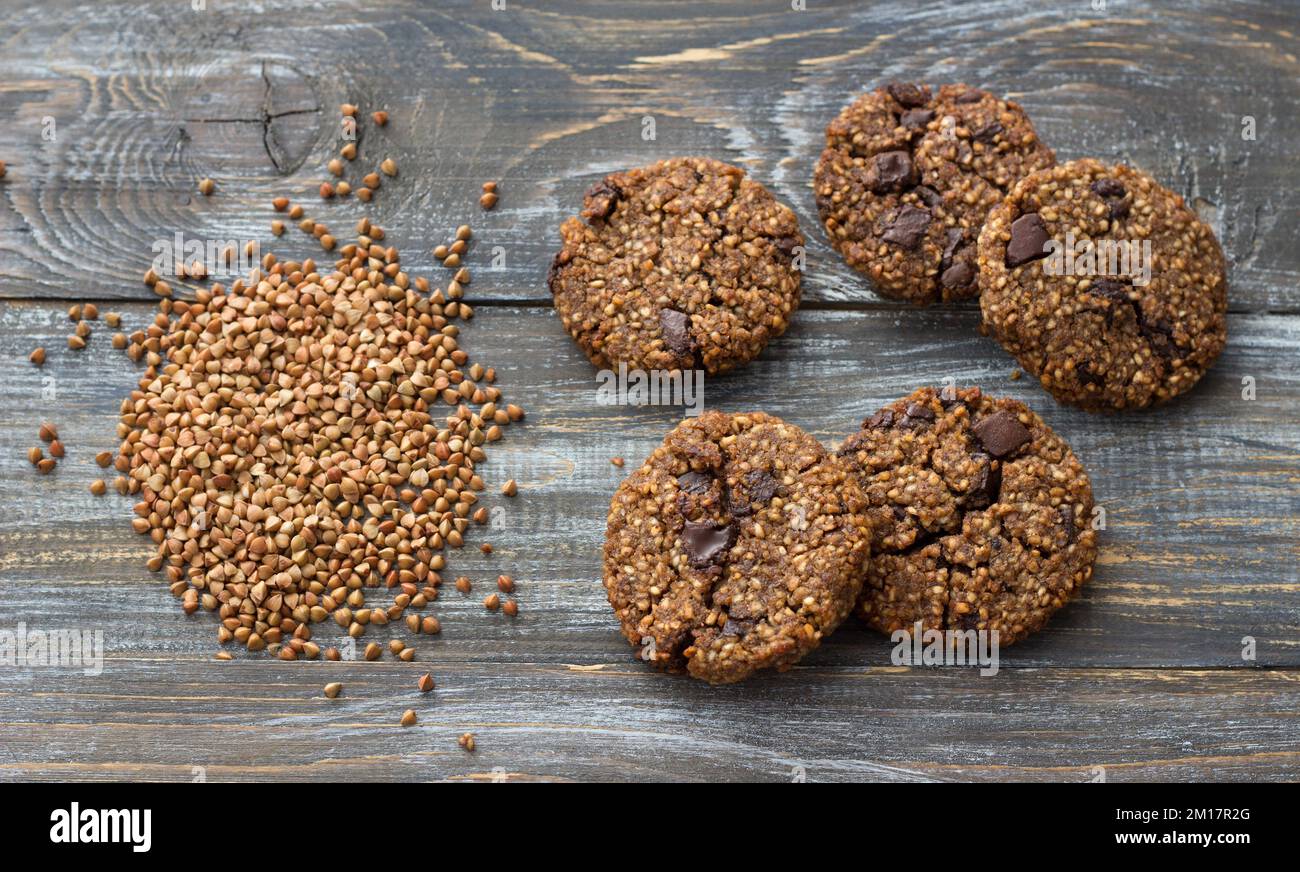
x: 908, y: 176
x: 686, y: 264
x: 1103, y: 342
x: 738, y: 545
x: 981, y: 516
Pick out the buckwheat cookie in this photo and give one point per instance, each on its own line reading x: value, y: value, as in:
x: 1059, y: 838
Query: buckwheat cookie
x: 738, y: 545
x: 981, y: 516
x: 686, y: 264
x: 908, y: 176
x: 1097, y: 335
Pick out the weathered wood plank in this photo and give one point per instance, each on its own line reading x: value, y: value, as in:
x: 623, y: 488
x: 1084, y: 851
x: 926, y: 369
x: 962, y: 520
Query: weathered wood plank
x: 548, y: 100
x: 1200, y: 497
x: 615, y: 722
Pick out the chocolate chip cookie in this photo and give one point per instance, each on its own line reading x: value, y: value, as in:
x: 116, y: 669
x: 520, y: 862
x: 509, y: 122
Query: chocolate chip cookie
x: 686, y: 264
x: 908, y: 176
x: 981, y: 516
x: 1103, y: 284
x: 738, y: 545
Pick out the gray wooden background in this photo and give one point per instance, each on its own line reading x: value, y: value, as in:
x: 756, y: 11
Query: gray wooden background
x: 1141, y: 678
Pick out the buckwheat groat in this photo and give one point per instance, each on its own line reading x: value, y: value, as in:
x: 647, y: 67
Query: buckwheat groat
x: 738, y: 545
x: 686, y: 264
x: 1098, y: 341
x: 908, y: 176
x: 981, y: 515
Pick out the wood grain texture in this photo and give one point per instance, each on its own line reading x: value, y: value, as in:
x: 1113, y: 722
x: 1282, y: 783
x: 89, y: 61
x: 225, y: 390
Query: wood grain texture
x: 548, y: 99
x: 263, y: 721
x: 1143, y: 675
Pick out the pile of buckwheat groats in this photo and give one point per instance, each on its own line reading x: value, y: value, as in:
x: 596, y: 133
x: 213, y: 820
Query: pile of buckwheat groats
x: 304, y: 443
x: 288, y: 453
x: 287, y: 449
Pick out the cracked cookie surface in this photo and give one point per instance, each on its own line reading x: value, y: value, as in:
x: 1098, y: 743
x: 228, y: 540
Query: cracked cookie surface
x: 685, y: 264
x: 1103, y: 342
x: 981, y: 516
x: 908, y: 176
x: 738, y: 545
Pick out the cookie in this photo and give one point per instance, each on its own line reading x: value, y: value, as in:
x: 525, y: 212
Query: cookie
x: 1097, y: 335
x: 981, y: 516
x: 686, y: 264
x: 739, y: 545
x: 908, y: 176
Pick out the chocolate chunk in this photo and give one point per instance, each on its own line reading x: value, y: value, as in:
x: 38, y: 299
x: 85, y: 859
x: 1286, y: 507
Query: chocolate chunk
x: 1116, y: 295
x: 1113, y: 193
x: 929, y: 196
x: 906, y: 226
x: 988, y: 485
x: 1108, y: 189
x: 757, y: 486
x: 974, y: 95
x: 987, y: 133
x: 787, y: 244
x: 879, y: 421
x: 1000, y: 433
x: 600, y: 201
x: 1109, y: 289
x: 920, y: 411
x: 959, y: 275
x: 890, y: 171
x: 676, y: 327
x: 954, y: 239
x: 706, y: 544
x: 695, y: 482
x: 1159, y: 334
x: 916, y: 119
x: 1028, y: 235
x: 948, y: 396
x: 1087, y: 373
x: 761, y: 485
x: 908, y: 94
x: 1066, y: 514
x: 917, y: 416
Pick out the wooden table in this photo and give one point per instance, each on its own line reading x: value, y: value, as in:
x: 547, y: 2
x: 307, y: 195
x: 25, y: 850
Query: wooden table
x: 113, y: 111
